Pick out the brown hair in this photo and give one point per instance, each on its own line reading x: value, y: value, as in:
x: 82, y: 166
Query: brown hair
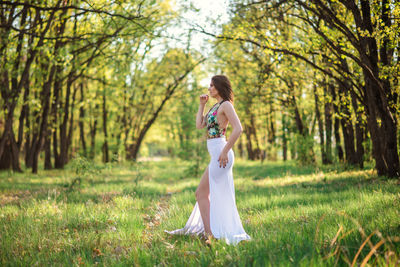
x: 223, y: 86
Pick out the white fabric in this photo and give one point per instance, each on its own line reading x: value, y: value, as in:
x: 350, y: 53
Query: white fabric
x: 224, y: 218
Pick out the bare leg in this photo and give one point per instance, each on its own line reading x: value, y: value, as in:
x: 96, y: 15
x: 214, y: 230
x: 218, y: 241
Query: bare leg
x: 202, y: 197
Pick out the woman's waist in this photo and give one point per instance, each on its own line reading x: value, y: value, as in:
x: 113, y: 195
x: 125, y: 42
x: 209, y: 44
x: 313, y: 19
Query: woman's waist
x: 216, y: 144
x: 216, y: 140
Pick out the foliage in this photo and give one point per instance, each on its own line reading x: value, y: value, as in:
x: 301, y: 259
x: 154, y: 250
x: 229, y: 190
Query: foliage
x: 303, y: 145
x: 84, y: 169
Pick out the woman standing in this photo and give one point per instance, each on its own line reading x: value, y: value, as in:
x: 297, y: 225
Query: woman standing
x: 215, y: 213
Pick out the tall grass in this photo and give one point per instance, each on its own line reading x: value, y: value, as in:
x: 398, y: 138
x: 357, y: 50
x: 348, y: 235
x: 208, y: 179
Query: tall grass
x: 296, y: 216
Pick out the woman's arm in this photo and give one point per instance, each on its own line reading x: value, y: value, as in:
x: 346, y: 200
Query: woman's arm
x: 233, y: 119
x: 200, y: 119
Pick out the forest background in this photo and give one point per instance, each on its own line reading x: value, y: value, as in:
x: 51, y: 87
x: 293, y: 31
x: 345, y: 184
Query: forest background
x: 115, y: 81
x: 98, y: 144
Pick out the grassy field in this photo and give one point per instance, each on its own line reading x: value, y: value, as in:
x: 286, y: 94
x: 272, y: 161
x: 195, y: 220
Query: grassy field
x: 296, y: 216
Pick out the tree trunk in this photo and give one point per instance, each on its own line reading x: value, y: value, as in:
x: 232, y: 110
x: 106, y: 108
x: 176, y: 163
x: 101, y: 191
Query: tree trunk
x: 328, y: 125
x: 93, y: 129
x: 71, y: 127
x: 47, y: 151
x: 81, y: 122
x: 293, y: 153
x: 299, y: 121
x: 304, y: 153
x: 57, y: 87
x: 271, y: 153
x: 24, y: 114
x: 105, y: 145
x: 386, y: 55
x: 336, y: 127
x: 378, y: 94
x: 347, y: 125
x: 284, y: 138
x: 257, y: 150
x: 64, y: 124
x: 240, y: 147
x: 38, y: 142
x: 251, y: 155
x: 320, y: 125
x: 5, y: 159
x: 27, y: 138
x: 359, y: 132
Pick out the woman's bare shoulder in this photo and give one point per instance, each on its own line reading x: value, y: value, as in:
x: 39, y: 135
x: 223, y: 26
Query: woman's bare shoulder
x: 227, y: 105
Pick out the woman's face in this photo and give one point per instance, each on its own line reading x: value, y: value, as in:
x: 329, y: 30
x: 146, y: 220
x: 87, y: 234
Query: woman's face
x: 212, y: 90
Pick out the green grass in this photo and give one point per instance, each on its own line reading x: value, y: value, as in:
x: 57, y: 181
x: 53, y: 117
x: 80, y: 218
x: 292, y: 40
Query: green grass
x: 292, y: 213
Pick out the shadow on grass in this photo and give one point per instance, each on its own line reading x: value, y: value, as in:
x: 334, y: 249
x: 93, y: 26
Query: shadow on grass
x: 272, y: 169
x: 77, y: 195
x: 135, y: 191
x: 340, y: 190
x: 306, y: 190
x: 336, y: 192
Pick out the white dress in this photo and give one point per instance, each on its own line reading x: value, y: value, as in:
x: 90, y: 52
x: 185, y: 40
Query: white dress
x: 225, y: 222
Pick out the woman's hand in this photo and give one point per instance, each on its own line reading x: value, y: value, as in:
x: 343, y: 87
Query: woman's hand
x: 223, y: 159
x: 203, y: 99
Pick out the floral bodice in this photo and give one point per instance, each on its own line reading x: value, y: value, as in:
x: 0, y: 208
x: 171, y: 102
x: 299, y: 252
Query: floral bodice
x: 213, y: 128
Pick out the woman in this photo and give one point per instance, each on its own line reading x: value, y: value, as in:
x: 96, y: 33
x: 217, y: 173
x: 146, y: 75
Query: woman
x: 215, y: 213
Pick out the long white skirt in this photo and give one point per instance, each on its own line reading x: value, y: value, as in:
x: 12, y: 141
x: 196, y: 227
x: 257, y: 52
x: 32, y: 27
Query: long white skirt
x: 224, y: 217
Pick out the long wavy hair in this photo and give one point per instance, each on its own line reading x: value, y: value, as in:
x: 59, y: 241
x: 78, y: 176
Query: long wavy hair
x: 223, y: 86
